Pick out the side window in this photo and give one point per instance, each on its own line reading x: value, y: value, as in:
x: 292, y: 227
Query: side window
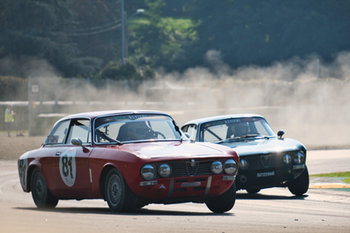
x: 213, y: 133
x: 184, y: 128
x: 58, y: 133
x: 191, y: 130
x: 80, y: 128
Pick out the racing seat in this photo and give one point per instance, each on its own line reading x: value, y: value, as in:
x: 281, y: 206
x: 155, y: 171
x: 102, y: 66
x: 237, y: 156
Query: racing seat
x: 122, y: 135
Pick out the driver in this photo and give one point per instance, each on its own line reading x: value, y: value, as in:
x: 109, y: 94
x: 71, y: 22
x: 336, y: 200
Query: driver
x: 134, y: 130
x: 237, y: 130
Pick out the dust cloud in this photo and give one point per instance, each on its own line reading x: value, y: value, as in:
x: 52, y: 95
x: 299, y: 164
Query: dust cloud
x: 307, y: 98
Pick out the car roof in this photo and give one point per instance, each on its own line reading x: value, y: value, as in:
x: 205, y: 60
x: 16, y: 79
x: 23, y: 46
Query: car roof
x: 111, y: 112
x: 220, y: 117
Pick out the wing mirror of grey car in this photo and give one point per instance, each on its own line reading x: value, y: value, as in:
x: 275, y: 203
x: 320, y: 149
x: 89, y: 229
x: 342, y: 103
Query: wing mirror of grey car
x: 280, y: 133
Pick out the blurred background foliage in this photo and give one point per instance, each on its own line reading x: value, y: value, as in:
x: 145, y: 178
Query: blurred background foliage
x: 82, y: 38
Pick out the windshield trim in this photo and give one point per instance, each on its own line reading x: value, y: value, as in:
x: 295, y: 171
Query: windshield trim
x: 201, y: 125
x: 139, y: 141
x: 135, y: 141
x: 249, y: 138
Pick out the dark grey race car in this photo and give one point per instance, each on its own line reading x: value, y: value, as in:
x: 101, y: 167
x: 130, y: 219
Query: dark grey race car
x: 266, y: 159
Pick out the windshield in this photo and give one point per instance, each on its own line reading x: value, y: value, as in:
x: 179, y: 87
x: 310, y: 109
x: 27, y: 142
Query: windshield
x: 135, y: 127
x: 235, y: 129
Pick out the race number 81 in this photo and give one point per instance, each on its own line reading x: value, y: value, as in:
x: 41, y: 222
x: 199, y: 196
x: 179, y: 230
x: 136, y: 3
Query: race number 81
x: 67, y: 167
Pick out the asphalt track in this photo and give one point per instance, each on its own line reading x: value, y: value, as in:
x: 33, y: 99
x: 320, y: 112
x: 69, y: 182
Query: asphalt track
x: 272, y: 210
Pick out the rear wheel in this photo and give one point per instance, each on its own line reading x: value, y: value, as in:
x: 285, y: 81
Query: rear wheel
x: 301, y: 184
x: 40, y: 193
x: 118, y: 195
x: 224, y: 202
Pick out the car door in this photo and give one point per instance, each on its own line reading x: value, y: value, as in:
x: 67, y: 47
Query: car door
x: 74, y: 161
x: 67, y: 165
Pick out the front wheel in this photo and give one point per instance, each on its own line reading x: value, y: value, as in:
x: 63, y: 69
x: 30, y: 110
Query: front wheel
x: 224, y: 202
x: 252, y: 190
x: 117, y: 193
x: 40, y: 192
x: 301, y: 184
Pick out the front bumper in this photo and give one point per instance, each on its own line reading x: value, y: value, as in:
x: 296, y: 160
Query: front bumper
x: 268, y: 177
x: 166, y: 189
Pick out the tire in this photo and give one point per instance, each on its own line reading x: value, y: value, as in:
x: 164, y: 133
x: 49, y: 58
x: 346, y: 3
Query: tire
x: 252, y: 190
x: 224, y: 202
x: 41, y: 195
x: 117, y: 193
x: 301, y: 184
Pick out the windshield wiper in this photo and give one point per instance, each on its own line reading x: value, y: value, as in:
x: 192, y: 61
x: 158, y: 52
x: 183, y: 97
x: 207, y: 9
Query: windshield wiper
x: 227, y: 140
x: 265, y: 136
x: 248, y: 136
x: 237, y: 138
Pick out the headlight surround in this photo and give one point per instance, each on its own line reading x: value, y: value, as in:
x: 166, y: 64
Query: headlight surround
x: 164, y: 170
x: 299, y: 158
x: 243, y: 164
x: 287, y: 159
x: 148, y: 172
x: 216, y: 167
x: 230, y: 166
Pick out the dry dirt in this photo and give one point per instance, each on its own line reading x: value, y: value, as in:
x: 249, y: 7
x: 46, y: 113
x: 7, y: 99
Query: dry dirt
x: 11, y: 148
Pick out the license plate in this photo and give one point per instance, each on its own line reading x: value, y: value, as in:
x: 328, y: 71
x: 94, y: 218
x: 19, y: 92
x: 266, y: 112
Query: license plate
x: 301, y: 166
x: 265, y: 174
x: 191, y: 184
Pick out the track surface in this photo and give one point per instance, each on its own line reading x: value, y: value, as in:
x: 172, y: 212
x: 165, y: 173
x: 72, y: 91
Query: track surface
x: 272, y: 210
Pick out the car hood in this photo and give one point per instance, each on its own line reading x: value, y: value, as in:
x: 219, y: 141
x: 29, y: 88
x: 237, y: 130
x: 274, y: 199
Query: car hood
x: 176, y: 150
x: 265, y: 145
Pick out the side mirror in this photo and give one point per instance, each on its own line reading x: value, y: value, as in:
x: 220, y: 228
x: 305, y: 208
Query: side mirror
x: 76, y: 142
x: 280, y: 133
x: 187, y: 134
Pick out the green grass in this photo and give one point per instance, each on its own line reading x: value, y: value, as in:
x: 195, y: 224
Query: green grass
x: 344, y: 175
x: 347, y: 180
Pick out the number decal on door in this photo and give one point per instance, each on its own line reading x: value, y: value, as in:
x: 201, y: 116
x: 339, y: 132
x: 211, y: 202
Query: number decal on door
x: 68, y: 167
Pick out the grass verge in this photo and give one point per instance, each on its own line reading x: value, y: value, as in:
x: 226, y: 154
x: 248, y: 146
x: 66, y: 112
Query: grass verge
x: 344, y: 175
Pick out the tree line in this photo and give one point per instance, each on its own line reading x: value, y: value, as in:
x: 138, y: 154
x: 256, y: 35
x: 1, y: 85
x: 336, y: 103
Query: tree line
x: 82, y: 38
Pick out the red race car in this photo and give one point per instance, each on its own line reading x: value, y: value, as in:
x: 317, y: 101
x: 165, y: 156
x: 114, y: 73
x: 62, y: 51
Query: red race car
x: 130, y: 159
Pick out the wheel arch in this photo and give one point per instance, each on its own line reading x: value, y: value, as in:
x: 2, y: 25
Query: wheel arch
x: 31, y: 168
x: 103, y: 176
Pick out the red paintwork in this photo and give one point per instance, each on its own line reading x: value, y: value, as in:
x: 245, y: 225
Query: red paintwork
x: 128, y: 159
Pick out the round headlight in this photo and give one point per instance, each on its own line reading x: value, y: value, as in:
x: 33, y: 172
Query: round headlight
x: 243, y: 164
x: 287, y: 159
x: 299, y: 158
x: 216, y: 167
x: 230, y: 166
x: 164, y: 170
x: 148, y: 172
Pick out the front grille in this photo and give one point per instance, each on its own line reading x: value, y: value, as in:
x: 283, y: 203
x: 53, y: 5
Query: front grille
x: 261, y: 161
x: 191, y: 168
x: 266, y: 161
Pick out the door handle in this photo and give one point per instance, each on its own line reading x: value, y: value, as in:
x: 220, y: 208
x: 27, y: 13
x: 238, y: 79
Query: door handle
x: 58, y: 153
